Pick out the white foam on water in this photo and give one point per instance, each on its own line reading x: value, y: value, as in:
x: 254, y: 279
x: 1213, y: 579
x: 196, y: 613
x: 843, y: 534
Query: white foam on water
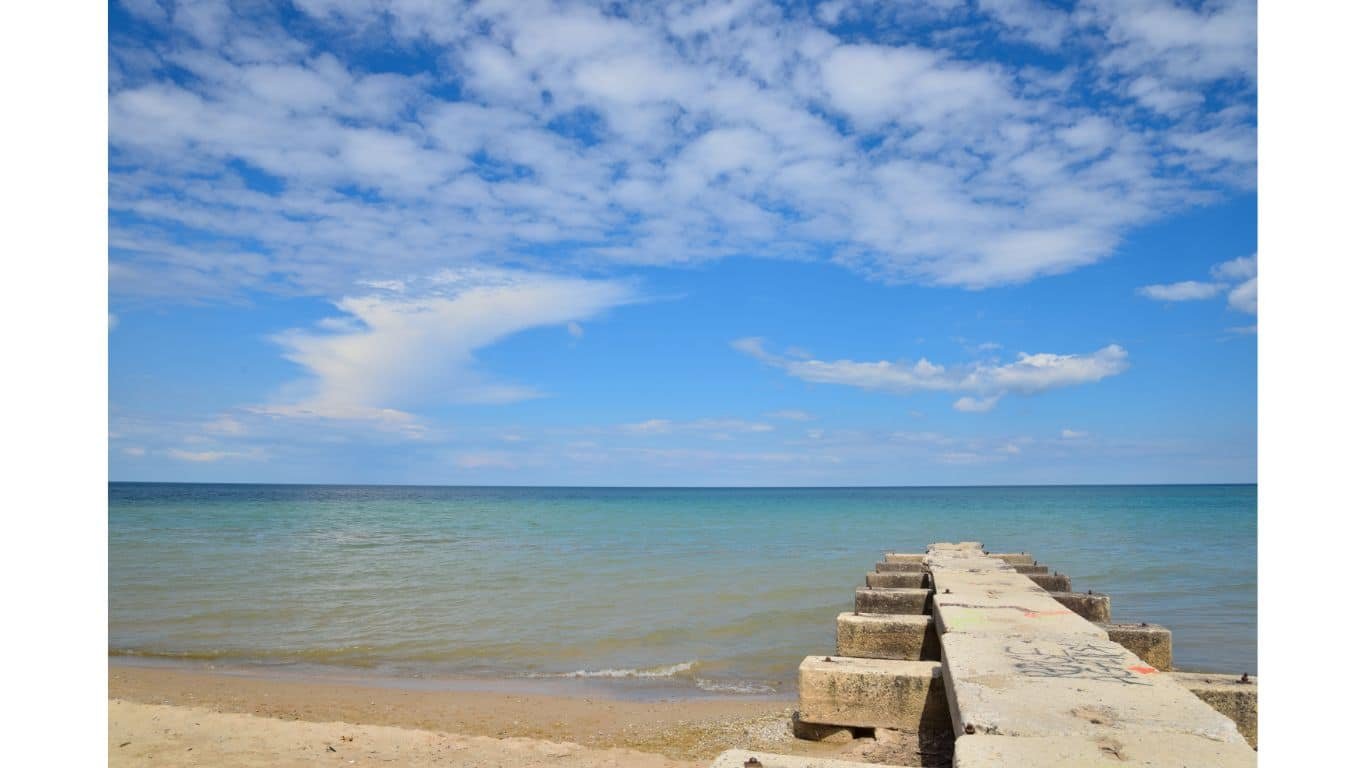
x: 670, y: 670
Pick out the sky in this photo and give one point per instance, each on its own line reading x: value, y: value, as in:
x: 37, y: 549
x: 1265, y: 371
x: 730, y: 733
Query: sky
x: 696, y: 243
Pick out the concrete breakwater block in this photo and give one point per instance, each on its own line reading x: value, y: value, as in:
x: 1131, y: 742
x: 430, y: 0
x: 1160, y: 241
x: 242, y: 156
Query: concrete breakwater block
x: 1008, y: 613
x: 1150, y: 642
x: 1053, y: 582
x: 1067, y: 685
x: 1158, y: 750
x: 897, y: 580
x: 872, y: 693
x: 1031, y: 570
x: 882, y: 636
x: 746, y: 758
x: 1235, y: 699
x: 1015, y: 558
x: 885, y: 567
x: 1092, y: 607
x: 912, y: 601
x: 903, y: 557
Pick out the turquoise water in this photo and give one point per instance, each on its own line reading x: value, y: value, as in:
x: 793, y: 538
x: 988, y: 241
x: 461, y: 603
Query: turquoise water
x: 708, y: 589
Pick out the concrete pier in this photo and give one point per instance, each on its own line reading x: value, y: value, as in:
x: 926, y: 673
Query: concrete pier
x: 1046, y: 686
x: 995, y: 651
x: 897, y: 580
x: 883, y: 600
x: 895, y: 636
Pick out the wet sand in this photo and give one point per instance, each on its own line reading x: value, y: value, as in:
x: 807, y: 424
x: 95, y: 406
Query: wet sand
x: 177, y: 716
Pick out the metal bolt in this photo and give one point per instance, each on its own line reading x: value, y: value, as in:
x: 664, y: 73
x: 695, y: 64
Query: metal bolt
x: 969, y: 730
x: 947, y: 591
x: 827, y: 658
x: 753, y: 762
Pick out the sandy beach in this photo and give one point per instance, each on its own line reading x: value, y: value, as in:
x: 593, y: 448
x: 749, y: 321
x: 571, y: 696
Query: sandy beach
x: 174, y: 716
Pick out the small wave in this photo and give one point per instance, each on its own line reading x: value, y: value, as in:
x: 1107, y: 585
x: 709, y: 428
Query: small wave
x: 734, y: 686
x: 664, y: 671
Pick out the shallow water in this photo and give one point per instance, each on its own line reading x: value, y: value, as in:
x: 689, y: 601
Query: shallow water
x: 719, y: 590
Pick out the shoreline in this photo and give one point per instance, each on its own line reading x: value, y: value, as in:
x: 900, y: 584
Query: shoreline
x: 144, y: 699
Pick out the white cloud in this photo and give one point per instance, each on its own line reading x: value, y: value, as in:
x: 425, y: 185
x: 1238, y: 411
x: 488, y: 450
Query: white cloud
x: 574, y: 330
x: 1189, y: 290
x: 976, y: 404
x: 245, y: 158
x: 1073, y: 434
x: 988, y: 382
x: 204, y: 457
x: 792, y: 414
x: 722, y: 429
x: 136, y: 451
x: 1244, y: 297
x: 1237, y: 278
x: 388, y: 352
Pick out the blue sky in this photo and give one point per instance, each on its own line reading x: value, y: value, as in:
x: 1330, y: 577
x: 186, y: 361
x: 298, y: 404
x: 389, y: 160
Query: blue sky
x: 730, y: 243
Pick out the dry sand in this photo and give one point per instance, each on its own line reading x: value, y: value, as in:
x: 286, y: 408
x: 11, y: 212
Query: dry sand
x: 172, y: 716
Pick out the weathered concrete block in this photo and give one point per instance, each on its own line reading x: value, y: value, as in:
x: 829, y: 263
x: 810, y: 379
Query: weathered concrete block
x: 912, y: 601
x: 1031, y: 570
x: 1015, y: 558
x: 882, y: 636
x: 872, y: 693
x: 898, y: 567
x: 1053, y: 582
x: 1149, y: 642
x: 897, y: 580
x: 1233, y: 698
x: 1092, y: 607
x: 1066, y: 685
x: 1155, y: 750
x: 746, y: 758
x: 904, y: 557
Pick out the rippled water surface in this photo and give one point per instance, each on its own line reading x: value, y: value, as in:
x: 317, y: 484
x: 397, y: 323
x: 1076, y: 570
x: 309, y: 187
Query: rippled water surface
x: 712, y: 589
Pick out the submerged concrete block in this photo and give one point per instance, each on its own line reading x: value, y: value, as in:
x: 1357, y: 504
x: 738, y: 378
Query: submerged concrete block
x: 912, y: 601
x: 748, y: 758
x: 1066, y: 685
x: 872, y: 693
x: 882, y: 636
x: 898, y: 567
x: 1235, y: 699
x: 1053, y: 582
x: 1155, y: 750
x: 1092, y: 607
x: 897, y: 580
x: 1015, y: 558
x: 904, y: 557
x: 1031, y: 570
x: 1149, y: 642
